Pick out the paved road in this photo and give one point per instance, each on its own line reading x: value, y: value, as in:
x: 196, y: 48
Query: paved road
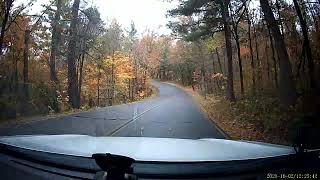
x: 173, y: 113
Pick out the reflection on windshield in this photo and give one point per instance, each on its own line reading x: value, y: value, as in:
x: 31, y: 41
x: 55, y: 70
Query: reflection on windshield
x: 196, y: 69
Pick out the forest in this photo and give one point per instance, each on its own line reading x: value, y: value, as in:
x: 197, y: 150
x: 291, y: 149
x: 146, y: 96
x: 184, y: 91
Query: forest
x: 256, y: 63
x: 65, y: 57
x: 258, y: 59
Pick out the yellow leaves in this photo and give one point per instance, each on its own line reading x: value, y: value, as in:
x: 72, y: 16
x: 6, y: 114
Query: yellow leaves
x: 125, y: 76
x: 120, y: 67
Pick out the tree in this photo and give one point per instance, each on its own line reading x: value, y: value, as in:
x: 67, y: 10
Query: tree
x: 235, y: 25
x: 214, y: 18
x: 89, y: 29
x: 227, y: 31
x: 8, y: 16
x: 278, y: 7
x: 251, y: 50
x: 164, y: 62
x: 56, y: 33
x: 132, y: 42
x: 287, y: 87
x: 273, y: 57
x: 26, y: 56
x: 306, y: 44
x: 213, y: 44
x: 35, y: 49
x: 71, y: 58
x: 27, y: 34
x: 131, y: 39
x: 257, y: 54
x: 6, y: 6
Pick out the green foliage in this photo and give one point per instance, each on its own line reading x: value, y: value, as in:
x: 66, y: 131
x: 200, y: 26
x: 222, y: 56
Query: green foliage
x: 216, y: 41
x: 207, y: 21
x: 130, y: 40
x: 190, y: 7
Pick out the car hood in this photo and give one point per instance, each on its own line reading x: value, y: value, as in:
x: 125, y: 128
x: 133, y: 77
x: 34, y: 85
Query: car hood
x: 149, y: 149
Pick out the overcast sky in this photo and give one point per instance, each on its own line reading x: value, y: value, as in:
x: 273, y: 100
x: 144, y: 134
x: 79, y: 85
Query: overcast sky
x: 149, y: 14
x: 144, y: 13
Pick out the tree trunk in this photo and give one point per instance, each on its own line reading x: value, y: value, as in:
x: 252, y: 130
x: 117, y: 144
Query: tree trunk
x: 251, y: 53
x: 257, y: 55
x: 225, y: 64
x: 6, y: 9
x: 203, y: 73
x: 236, y: 37
x: 306, y: 44
x: 135, y: 82
x: 227, y: 31
x: 80, y: 76
x: 240, y: 60
x: 129, y: 89
x: 71, y: 58
x: 279, y: 14
x: 54, y: 53
x: 26, y: 56
x: 219, y: 61
x: 287, y: 87
x: 16, y: 80
x: 26, y: 63
x: 267, y: 61
x: 273, y: 57
x: 112, y: 80
x: 98, y: 86
x: 55, y: 43
x: 213, y: 65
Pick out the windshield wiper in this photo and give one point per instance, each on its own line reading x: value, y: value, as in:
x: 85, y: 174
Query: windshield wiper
x: 114, y: 167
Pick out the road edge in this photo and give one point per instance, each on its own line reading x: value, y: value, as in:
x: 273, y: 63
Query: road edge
x: 33, y: 119
x: 222, y: 132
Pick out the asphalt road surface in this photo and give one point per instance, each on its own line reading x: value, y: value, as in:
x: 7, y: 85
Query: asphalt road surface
x: 173, y: 113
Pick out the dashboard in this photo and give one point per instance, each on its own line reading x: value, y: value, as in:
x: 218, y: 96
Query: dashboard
x: 16, y: 163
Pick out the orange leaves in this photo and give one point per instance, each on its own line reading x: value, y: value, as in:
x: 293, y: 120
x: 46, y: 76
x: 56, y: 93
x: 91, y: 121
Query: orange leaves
x: 120, y: 67
x: 244, y: 51
x: 15, y: 34
x: 123, y: 65
x: 149, y: 50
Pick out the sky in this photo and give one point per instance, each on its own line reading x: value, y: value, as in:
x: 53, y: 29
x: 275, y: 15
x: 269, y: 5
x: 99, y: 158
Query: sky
x: 149, y: 14
x: 145, y: 14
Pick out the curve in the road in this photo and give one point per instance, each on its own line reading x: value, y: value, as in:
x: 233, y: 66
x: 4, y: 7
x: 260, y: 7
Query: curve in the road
x: 173, y: 113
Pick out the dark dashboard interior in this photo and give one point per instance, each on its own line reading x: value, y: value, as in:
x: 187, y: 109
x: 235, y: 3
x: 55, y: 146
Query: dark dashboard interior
x: 17, y: 163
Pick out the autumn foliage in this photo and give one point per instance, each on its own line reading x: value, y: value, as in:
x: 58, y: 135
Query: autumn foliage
x: 110, y: 64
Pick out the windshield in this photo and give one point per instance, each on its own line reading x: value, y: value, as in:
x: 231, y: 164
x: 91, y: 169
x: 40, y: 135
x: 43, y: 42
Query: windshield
x: 187, y: 69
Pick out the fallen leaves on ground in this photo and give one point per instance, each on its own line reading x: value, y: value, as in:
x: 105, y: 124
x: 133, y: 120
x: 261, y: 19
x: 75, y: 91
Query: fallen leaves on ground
x: 240, y: 121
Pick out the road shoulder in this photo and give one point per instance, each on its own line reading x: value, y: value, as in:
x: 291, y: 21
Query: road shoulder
x: 198, y: 99
x: 32, y: 119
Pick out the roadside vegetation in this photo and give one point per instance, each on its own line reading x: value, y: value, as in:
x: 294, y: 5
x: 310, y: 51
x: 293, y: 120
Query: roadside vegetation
x: 254, y: 67
x: 64, y: 58
x: 255, y: 119
x: 255, y: 64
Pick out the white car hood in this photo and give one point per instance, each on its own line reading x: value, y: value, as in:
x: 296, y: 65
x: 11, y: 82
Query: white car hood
x: 149, y: 149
